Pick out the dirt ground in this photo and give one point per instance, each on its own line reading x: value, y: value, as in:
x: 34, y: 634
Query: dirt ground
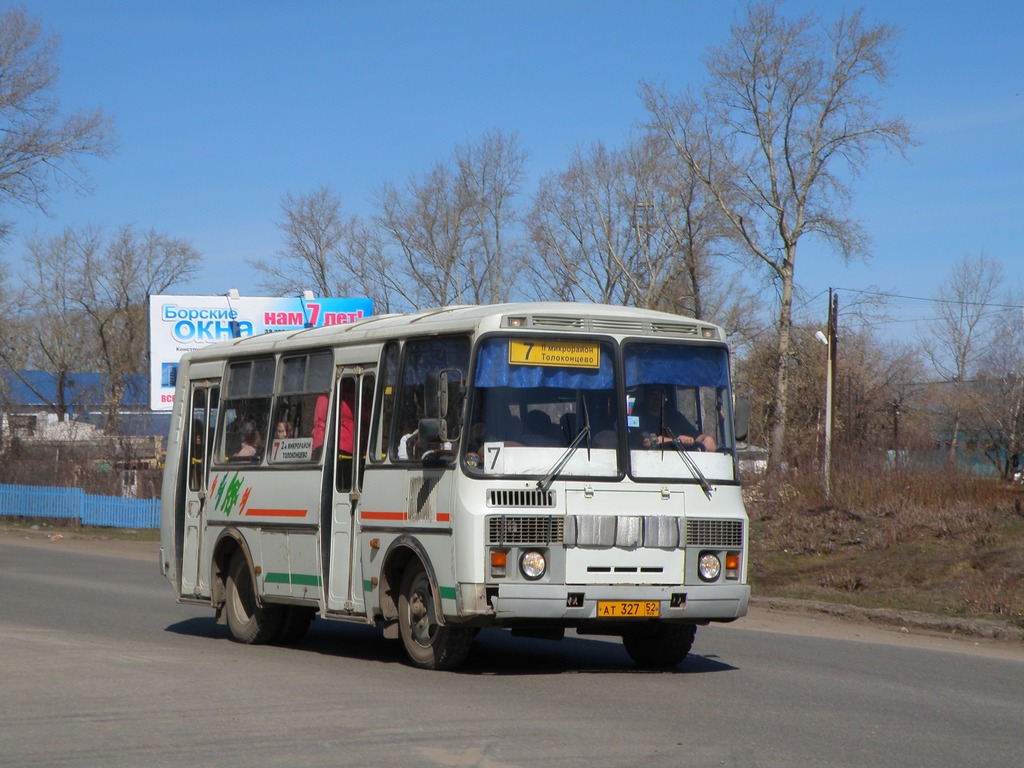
x: 795, y: 617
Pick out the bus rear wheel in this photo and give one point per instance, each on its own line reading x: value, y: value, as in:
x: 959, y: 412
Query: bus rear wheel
x: 428, y: 643
x: 249, y: 622
x: 659, y: 646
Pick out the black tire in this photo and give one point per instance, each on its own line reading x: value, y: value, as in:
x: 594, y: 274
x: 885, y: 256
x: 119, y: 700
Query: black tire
x: 249, y: 622
x: 428, y: 644
x: 295, y: 624
x: 659, y: 646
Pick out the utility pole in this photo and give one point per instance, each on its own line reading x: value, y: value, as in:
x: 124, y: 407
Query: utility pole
x: 896, y: 435
x: 829, y: 339
x: 833, y: 338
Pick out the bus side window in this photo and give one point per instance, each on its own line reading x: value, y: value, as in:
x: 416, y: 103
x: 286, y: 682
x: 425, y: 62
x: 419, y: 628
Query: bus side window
x: 197, y: 441
x: 365, y: 417
x: 447, y: 358
x: 346, y: 433
x: 389, y: 385
x: 304, y: 398
x: 246, y: 412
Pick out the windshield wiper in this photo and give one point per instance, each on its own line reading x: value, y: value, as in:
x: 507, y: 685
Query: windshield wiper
x: 557, y: 467
x: 687, y: 458
x: 690, y: 464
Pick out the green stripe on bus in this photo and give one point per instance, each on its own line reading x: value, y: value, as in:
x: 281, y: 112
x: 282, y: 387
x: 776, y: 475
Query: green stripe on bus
x: 302, y: 579
x: 447, y: 593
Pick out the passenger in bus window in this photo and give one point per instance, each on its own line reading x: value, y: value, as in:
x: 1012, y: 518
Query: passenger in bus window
x: 346, y: 423
x: 660, y: 423
x: 346, y: 436
x: 319, y: 424
x: 252, y: 445
x: 475, y: 440
x: 408, y: 444
x: 538, y: 429
x: 283, y: 430
x: 196, y: 460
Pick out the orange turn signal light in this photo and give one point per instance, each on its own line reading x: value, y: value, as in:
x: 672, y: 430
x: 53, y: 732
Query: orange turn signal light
x: 499, y: 559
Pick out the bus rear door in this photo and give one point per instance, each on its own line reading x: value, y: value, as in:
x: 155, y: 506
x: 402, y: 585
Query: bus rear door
x: 204, y: 398
x: 354, y: 402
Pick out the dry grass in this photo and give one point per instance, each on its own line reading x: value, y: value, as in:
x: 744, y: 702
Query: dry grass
x: 938, y: 541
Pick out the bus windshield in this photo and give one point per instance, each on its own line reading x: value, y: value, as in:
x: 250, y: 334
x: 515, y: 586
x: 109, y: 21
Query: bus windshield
x: 677, y: 399
x: 545, y: 404
x: 533, y: 399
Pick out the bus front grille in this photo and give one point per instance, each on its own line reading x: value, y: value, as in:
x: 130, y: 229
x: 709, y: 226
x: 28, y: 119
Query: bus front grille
x: 521, y: 498
x: 676, y: 329
x: 523, y: 529
x: 714, y: 533
x: 620, y: 325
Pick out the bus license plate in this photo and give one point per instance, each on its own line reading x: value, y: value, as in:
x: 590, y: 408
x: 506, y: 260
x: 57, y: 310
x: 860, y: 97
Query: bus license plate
x: 625, y: 609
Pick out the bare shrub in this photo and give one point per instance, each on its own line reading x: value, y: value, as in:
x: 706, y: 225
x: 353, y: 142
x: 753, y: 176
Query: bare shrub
x: 1000, y: 594
x: 843, y: 580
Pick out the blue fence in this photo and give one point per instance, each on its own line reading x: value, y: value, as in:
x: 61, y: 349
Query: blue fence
x: 76, y: 504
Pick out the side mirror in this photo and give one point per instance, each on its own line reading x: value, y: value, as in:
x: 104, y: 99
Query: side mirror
x: 741, y: 418
x: 432, y: 432
x: 435, y: 395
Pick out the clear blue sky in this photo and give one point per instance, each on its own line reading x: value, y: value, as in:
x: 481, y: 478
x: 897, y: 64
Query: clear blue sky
x: 223, y: 107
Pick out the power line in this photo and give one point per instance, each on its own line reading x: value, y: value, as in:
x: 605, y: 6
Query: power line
x: 996, y: 305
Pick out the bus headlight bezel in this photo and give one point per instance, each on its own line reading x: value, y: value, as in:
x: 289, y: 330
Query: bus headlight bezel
x: 533, y: 564
x: 709, y: 566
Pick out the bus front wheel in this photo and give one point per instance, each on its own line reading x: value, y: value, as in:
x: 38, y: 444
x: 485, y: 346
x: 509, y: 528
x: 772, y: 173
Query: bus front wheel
x: 428, y: 643
x: 659, y: 646
x: 248, y: 621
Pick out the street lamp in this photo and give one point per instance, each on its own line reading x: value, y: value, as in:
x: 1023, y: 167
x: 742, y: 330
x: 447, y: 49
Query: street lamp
x: 827, y: 341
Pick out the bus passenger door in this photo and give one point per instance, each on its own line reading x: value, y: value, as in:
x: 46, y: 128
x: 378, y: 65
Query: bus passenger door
x: 203, y: 402
x: 354, y: 398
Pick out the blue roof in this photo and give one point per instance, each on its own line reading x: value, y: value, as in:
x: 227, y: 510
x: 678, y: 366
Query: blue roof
x: 82, y: 391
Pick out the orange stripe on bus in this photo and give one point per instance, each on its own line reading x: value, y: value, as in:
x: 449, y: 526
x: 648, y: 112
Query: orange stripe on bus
x: 367, y: 515
x: 443, y: 517
x: 277, y: 512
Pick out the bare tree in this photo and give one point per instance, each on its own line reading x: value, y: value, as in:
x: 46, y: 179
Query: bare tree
x: 491, y: 173
x: 584, y: 230
x: 41, y: 149
x: 633, y: 227
x: 113, y: 282
x: 50, y: 332
x: 325, y: 251
x: 445, y: 235
x: 427, y: 227
x: 876, y: 404
x: 962, y: 332
x: 1001, y: 376
x: 789, y: 115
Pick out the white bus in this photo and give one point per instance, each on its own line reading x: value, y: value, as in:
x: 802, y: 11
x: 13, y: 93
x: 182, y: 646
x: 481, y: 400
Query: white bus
x: 536, y: 467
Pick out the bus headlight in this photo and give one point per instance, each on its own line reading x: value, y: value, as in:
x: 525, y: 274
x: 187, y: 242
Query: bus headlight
x: 709, y: 566
x: 532, y: 565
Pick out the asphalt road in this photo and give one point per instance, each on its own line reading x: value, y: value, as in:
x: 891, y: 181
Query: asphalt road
x: 99, y: 667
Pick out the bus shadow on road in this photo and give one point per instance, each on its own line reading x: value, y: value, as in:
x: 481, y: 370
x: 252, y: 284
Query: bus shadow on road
x: 498, y: 652
x: 494, y: 651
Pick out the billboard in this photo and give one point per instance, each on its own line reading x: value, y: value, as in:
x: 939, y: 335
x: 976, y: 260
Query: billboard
x: 180, y: 324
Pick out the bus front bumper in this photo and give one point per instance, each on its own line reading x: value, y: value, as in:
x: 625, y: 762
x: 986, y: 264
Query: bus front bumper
x: 580, y: 604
